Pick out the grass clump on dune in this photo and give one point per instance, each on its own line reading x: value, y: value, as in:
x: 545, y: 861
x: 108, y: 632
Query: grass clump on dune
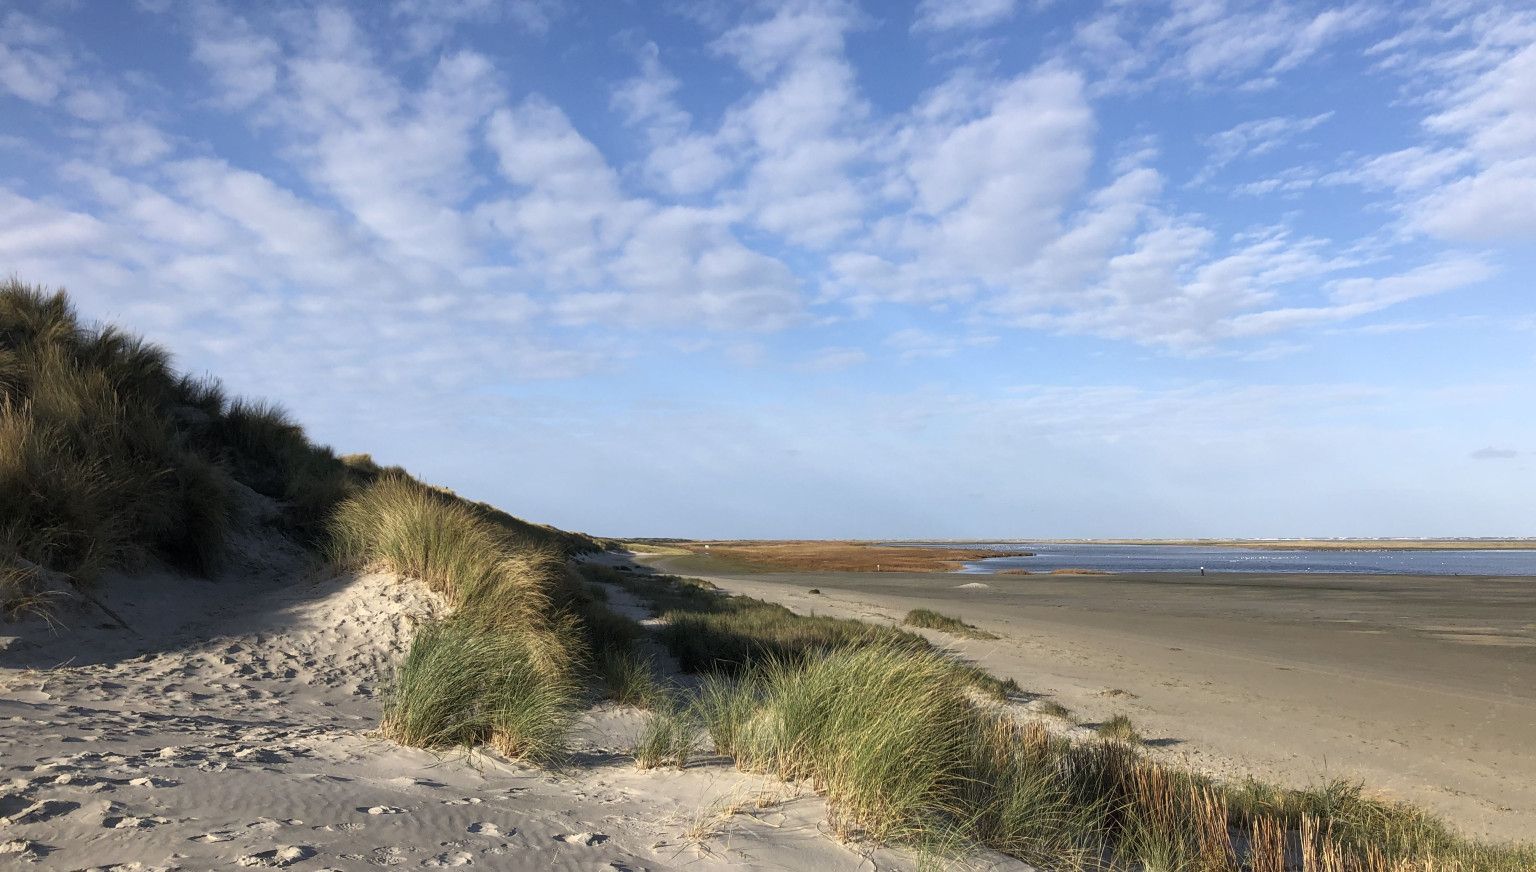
x: 630, y: 679
x: 1120, y: 728
x: 670, y: 736
x: 462, y: 686
x: 505, y: 669
x: 932, y: 620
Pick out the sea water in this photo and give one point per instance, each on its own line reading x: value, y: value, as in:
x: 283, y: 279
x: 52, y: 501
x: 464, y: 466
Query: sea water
x: 1215, y: 558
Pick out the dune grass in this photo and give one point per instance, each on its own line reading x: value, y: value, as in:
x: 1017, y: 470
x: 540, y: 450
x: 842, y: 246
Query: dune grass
x: 1120, y: 728
x: 670, y: 736
x: 904, y: 753
x: 630, y: 679
x: 1052, y: 708
x: 505, y: 668
x: 932, y: 620
x: 462, y: 686
x: 109, y: 458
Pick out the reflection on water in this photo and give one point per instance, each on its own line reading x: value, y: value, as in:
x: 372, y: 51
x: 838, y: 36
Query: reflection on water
x: 1190, y: 558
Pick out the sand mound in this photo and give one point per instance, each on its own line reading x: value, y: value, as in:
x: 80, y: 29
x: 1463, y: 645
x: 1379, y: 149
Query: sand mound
x: 230, y: 726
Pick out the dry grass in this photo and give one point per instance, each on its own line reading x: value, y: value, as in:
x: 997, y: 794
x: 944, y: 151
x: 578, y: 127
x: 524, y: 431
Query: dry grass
x: 844, y: 556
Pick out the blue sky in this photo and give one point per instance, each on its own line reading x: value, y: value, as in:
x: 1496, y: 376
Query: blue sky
x: 714, y: 269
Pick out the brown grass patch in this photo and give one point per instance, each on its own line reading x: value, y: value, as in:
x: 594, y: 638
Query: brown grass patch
x: 845, y: 556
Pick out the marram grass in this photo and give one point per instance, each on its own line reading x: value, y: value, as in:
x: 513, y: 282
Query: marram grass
x: 109, y: 458
x: 461, y: 686
x: 505, y: 668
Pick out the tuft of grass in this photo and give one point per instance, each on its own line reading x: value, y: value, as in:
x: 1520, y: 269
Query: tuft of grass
x: 630, y: 679
x: 502, y: 670
x: 1119, y: 728
x: 1054, y: 709
x: 669, y: 736
x: 460, y: 687
x: 935, y: 621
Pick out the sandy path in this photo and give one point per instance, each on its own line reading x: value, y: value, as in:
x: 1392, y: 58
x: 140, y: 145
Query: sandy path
x: 1423, y: 688
x: 233, y: 729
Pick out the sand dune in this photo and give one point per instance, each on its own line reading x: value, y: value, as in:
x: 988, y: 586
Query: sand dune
x: 231, y: 727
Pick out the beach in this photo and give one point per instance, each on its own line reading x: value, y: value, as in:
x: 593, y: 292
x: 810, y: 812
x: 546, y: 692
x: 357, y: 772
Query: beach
x: 1423, y: 687
x: 233, y: 724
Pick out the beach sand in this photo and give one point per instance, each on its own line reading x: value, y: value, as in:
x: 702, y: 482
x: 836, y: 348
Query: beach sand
x: 233, y: 727
x: 1423, y: 687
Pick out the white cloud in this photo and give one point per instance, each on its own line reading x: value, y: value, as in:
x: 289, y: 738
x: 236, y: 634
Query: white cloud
x: 943, y: 15
x: 1351, y: 298
x: 625, y: 257
x: 430, y: 23
x: 33, y: 62
x: 990, y: 186
x: 1473, y: 179
x: 1496, y: 115
x: 29, y: 228
x: 680, y: 161
x: 1257, y: 137
x: 798, y: 135
x: 1211, y: 41
x: 244, y: 63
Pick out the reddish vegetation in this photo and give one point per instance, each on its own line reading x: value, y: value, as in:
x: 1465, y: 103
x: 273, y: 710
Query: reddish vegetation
x: 843, y: 556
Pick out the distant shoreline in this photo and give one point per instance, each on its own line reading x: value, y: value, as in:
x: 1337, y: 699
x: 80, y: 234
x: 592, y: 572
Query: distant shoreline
x: 1500, y: 544
x: 1347, y: 544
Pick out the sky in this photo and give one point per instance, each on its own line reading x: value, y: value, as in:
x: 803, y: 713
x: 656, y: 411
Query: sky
x: 951, y: 268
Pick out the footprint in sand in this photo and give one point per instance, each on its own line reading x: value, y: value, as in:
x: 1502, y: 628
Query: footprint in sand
x: 21, y: 849
x: 485, y: 828
x: 584, y: 839
x: 382, y: 809
x: 468, y: 800
x: 268, y: 825
x: 449, y: 858
x: 130, y: 822
x: 216, y: 836
x: 287, y: 855
x: 148, y: 781
x: 258, y: 755
x: 38, y: 812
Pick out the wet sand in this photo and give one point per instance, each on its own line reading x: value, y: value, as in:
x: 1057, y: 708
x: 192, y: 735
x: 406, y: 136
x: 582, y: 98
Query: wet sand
x: 1424, y: 687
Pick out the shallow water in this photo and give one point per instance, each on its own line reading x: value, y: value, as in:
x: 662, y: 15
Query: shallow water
x: 1190, y: 558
